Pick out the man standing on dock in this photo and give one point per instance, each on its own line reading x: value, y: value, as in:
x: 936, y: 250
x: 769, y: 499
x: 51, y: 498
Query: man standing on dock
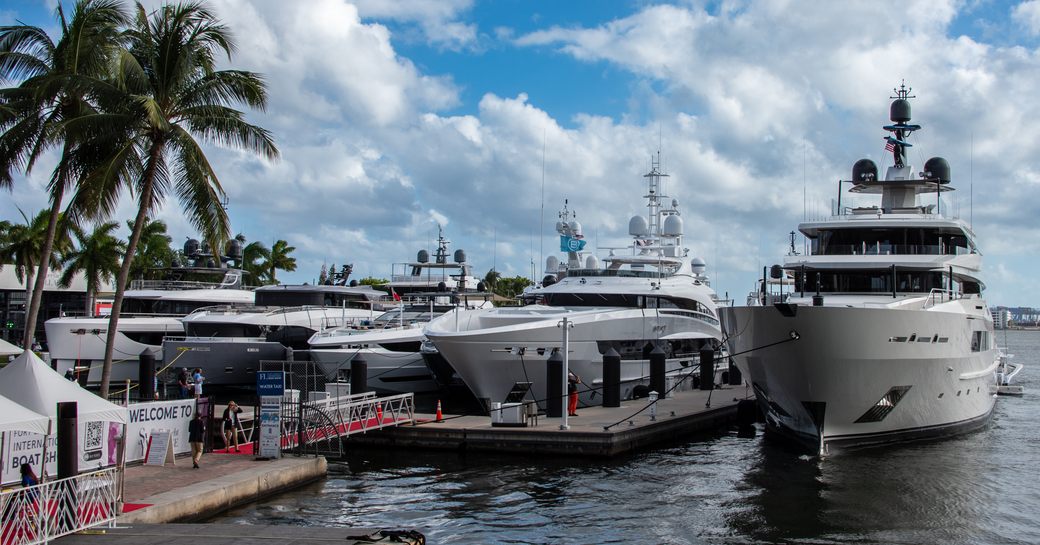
x: 573, y: 380
x: 196, y: 435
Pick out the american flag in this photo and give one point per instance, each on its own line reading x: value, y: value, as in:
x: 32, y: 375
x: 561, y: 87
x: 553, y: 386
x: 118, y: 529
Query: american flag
x: 890, y: 146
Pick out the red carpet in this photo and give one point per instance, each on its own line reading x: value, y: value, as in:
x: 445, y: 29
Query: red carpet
x: 315, y: 435
x: 127, y: 507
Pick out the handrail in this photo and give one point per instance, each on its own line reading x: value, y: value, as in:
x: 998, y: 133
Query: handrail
x: 43, y: 512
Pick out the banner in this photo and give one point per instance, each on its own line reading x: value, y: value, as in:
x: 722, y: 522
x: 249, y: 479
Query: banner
x: 98, y: 440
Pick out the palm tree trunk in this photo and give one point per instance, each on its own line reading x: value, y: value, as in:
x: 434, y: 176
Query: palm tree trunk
x: 36, y: 298
x: 124, y: 270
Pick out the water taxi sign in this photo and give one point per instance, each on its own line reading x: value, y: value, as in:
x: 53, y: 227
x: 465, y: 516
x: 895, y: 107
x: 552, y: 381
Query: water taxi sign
x: 270, y: 383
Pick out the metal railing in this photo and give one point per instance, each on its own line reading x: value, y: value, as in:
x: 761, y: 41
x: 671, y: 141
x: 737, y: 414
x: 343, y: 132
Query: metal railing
x: 40, y: 513
x: 308, y: 424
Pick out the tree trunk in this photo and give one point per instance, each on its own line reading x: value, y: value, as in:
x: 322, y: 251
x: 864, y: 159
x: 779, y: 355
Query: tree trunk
x: 33, y: 310
x: 124, y: 271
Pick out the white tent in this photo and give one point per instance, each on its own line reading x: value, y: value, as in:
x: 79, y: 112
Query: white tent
x: 32, y: 384
x: 8, y: 349
x: 15, y: 417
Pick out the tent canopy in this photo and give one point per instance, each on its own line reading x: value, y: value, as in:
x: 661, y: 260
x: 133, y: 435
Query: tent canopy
x: 32, y: 384
x: 15, y: 417
x: 8, y: 349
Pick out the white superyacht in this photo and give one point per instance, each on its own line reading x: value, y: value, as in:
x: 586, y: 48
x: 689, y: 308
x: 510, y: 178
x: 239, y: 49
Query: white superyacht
x: 390, y: 344
x: 648, y: 294
x: 885, y: 336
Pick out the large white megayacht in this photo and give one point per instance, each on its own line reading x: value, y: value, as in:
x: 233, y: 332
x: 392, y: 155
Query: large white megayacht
x: 888, y: 337
x: 390, y: 344
x: 649, y: 294
x: 151, y: 310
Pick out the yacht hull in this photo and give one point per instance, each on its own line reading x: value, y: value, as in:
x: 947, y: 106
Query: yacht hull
x: 81, y: 342
x: 388, y: 372
x: 517, y: 343
x: 860, y: 376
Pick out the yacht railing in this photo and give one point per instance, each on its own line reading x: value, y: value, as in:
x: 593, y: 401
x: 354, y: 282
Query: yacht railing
x: 940, y: 295
x: 878, y: 248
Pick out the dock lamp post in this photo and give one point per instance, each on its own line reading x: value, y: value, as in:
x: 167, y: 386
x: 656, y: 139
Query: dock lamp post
x: 566, y: 325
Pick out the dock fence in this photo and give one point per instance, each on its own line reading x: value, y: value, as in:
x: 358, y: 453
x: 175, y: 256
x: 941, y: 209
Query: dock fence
x: 42, y: 512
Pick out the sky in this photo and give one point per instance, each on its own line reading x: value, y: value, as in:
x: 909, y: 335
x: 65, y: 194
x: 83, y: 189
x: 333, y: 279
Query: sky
x: 394, y: 118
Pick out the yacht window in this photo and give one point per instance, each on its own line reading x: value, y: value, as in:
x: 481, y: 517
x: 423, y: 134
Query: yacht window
x: 924, y: 339
x: 891, y: 241
x: 979, y: 341
x: 944, y: 339
x: 897, y: 339
x: 867, y: 281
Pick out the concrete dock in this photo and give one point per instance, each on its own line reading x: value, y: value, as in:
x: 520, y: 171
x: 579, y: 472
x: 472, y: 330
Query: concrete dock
x: 597, y: 431
x: 178, y: 493
x: 223, y: 534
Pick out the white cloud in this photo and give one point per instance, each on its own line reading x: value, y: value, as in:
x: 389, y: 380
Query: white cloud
x: 1027, y: 14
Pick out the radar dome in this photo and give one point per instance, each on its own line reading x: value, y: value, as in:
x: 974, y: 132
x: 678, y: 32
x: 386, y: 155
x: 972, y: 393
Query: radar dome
x: 900, y: 111
x: 548, y: 280
x: 552, y: 264
x: 638, y: 227
x: 776, y: 272
x: 211, y: 263
x: 191, y: 247
x: 575, y: 227
x: 353, y: 283
x: 937, y: 168
x: 698, y: 265
x: 460, y: 256
x: 423, y: 257
x: 233, y: 249
x: 673, y: 226
x: 441, y: 286
x: 864, y: 170
x: 591, y: 262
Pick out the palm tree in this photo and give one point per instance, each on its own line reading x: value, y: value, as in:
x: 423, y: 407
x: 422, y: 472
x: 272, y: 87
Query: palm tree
x: 172, y: 93
x: 491, y: 280
x: 97, y: 257
x: 56, y: 81
x: 23, y: 247
x: 280, y: 259
x: 153, y: 250
x: 254, y: 261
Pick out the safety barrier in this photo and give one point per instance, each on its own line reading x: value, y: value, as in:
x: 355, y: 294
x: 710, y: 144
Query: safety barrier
x: 40, y: 513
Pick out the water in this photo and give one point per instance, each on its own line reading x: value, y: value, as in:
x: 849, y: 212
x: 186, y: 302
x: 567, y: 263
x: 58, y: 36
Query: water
x: 978, y: 488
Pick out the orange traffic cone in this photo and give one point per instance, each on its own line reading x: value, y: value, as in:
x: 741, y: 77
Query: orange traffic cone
x: 379, y: 412
x: 440, y: 415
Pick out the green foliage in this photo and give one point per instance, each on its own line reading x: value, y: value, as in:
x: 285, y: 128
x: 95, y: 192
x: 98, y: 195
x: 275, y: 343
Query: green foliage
x: 372, y: 281
x: 97, y: 256
x: 153, y: 249
x: 511, y: 287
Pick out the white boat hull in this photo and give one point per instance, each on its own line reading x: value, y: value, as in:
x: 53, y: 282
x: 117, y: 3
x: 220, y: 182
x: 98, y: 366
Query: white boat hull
x: 516, y: 344
x: 388, y: 372
x: 81, y: 342
x: 860, y: 376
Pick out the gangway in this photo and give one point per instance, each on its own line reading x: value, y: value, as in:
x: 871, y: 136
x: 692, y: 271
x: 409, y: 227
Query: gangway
x: 320, y: 425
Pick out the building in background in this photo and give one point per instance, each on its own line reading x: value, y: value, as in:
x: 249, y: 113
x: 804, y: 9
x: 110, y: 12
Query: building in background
x: 56, y: 302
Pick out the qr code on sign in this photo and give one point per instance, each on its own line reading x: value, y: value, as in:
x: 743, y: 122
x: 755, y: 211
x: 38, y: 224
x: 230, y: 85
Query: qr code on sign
x: 92, y: 440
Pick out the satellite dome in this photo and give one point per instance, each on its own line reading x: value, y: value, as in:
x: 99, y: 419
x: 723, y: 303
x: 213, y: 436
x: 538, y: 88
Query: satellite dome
x: 575, y: 227
x: 698, y: 266
x: 441, y: 286
x: 552, y: 264
x: 638, y: 227
x: 353, y: 283
x: 548, y: 280
x: 673, y: 226
x: 233, y: 249
x: 864, y: 170
x: 423, y: 257
x: 900, y: 111
x: 591, y: 262
x: 191, y: 247
x: 937, y: 168
x: 460, y: 256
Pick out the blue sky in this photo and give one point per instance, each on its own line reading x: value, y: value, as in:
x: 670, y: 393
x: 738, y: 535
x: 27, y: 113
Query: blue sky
x: 394, y: 117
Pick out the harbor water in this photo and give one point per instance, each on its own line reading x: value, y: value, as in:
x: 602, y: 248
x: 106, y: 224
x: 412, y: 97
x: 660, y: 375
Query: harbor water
x: 978, y: 488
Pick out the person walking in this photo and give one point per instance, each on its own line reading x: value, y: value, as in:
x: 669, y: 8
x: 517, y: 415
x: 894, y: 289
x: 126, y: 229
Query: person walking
x: 196, y: 435
x: 573, y: 380
x: 199, y: 379
x: 229, y: 425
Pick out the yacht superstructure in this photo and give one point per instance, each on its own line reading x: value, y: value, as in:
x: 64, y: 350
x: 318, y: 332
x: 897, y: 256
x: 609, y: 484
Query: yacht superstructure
x: 645, y: 295
x: 884, y: 335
